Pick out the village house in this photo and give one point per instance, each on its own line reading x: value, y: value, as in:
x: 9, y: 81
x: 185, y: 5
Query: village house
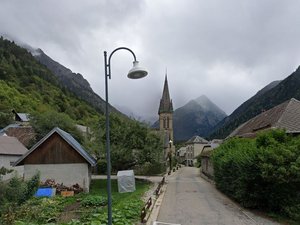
x: 194, y: 147
x: 283, y: 116
x: 181, y: 152
x: 206, y: 161
x: 24, y: 133
x: 60, y: 157
x: 10, y: 151
x: 21, y: 118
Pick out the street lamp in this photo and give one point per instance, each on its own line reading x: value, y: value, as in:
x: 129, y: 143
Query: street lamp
x: 170, y: 154
x: 135, y: 73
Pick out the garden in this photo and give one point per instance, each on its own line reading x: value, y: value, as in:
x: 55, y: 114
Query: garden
x: 84, y: 208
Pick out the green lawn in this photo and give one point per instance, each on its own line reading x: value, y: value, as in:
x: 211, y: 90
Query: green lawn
x: 81, y: 209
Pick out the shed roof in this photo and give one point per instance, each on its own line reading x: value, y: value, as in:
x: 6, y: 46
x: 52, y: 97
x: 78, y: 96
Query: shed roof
x: 11, y: 146
x: 68, y: 138
x: 285, y: 115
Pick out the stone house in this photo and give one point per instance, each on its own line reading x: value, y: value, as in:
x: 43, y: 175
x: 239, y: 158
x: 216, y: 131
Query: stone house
x: 24, y: 133
x: 194, y: 147
x: 206, y: 161
x: 11, y: 149
x: 60, y: 157
x: 284, y: 116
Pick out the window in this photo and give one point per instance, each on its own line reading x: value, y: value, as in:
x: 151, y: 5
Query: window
x: 168, y: 121
x: 164, y: 122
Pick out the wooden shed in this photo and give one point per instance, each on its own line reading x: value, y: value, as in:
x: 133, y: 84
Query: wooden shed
x: 60, y: 157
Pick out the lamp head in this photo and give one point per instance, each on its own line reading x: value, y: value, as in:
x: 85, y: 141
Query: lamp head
x: 137, y: 72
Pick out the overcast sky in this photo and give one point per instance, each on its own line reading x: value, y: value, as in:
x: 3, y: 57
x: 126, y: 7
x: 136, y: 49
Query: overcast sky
x: 226, y: 50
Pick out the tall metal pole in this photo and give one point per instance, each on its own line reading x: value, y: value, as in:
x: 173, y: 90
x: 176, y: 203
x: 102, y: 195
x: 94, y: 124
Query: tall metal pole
x: 107, y: 70
x: 109, y: 210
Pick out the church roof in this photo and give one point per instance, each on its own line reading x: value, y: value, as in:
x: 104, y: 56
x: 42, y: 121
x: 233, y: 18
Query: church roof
x: 166, y: 104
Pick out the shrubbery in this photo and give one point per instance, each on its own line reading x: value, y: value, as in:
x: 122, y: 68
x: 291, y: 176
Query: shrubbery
x: 15, y: 192
x: 263, y: 173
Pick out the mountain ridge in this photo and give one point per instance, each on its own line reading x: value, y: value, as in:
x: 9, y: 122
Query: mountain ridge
x: 271, y: 95
x: 196, y: 117
x: 73, y: 82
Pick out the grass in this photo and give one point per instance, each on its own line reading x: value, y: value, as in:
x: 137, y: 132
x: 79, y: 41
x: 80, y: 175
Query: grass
x: 81, y: 209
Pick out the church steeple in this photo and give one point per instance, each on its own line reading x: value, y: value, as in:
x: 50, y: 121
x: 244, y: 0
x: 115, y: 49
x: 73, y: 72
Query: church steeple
x: 166, y: 105
x: 165, y: 113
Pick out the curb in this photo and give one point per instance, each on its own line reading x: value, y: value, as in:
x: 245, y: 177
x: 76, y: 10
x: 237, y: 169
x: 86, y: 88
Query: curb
x: 156, y: 208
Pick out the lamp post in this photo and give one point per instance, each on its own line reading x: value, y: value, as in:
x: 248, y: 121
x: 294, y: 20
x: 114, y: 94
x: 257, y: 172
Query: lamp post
x: 170, y: 154
x: 135, y: 73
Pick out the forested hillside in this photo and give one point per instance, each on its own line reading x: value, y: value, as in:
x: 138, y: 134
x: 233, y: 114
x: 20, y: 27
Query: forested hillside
x: 29, y: 87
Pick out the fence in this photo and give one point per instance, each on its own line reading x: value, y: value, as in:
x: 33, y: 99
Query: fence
x: 149, y: 203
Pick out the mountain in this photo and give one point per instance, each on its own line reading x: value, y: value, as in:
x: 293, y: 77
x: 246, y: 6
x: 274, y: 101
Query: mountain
x: 73, y: 82
x: 28, y: 86
x: 268, y: 97
x: 197, y: 117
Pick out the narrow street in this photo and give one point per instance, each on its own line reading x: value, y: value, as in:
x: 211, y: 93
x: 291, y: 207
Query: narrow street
x: 191, y: 200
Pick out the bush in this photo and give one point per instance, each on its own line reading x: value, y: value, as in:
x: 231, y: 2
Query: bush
x: 263, y: 173
x: 94, y: 200
x: 15, y: 192
x: 148, y: 168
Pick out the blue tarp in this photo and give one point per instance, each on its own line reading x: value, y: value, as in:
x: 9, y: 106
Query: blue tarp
x: 44, y: 192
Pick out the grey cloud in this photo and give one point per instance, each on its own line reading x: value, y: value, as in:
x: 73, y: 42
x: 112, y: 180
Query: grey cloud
x: 226, y: 50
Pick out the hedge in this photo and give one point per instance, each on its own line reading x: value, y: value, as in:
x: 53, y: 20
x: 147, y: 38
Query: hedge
x: 261, y: 173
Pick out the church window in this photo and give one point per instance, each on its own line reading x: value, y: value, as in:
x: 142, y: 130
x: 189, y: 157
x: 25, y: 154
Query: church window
x: 168, y: 121
x: 164, y: 122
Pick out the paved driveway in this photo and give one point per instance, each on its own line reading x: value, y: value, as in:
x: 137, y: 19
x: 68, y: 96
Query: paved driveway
x: 191, y: 200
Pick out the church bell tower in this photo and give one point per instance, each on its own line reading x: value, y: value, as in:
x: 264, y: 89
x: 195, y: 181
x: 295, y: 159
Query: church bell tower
x: 165, y: 113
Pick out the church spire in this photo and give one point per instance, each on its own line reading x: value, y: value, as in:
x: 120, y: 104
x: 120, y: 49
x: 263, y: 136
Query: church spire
x: 166, y: 105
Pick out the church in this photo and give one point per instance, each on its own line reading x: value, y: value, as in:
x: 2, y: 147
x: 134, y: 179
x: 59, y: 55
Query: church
x: 165, y: 113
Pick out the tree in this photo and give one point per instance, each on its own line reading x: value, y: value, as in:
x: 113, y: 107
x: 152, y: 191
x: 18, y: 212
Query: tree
x: 5, y: 119
x: 45, y: 122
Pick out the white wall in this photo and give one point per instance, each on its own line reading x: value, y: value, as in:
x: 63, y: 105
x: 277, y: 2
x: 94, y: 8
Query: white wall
x: 68, y: 174
x: 5, y: 161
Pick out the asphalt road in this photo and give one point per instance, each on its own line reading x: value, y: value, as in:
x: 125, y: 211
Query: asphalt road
x: 191, y: 200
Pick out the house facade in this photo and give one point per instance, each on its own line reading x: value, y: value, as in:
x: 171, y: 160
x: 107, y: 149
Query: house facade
x: 11, y: 149
x: 206, y: 161
x: 60, y: 157
x: 194, y: 147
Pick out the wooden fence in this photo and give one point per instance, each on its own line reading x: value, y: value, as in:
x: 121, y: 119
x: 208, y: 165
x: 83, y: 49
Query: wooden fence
x: 149, y: 203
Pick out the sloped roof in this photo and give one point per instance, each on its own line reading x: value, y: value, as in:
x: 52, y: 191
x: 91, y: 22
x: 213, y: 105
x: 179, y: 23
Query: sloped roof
x: 197, y: 139
x: 206, y: 151
x: 24, y: 117
x: 182, y: 151
x: 69, y: 139
x: 9, y: 126
x: 285, y: 115
x: 166, y: 104
x: 25, y: 134
x: 11, y: 146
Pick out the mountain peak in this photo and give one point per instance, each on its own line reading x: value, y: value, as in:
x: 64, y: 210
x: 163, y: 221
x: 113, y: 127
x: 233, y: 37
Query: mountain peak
x: 197, y: 117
